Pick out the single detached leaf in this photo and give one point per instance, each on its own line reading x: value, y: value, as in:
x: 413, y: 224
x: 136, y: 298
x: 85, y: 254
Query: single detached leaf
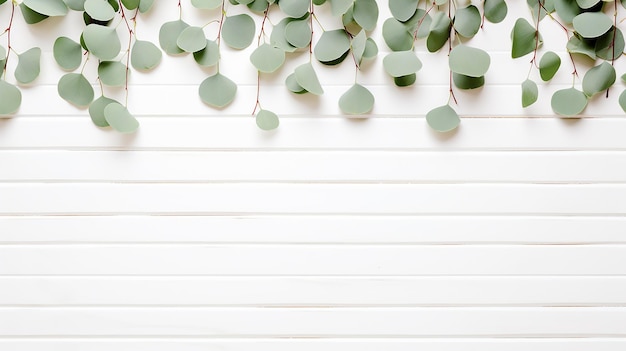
x: 206, y: 4
x: 524, y: 38
x: 267, y: 120
x: 599, y: 78
x: 112, y: 73
x: 467, y: 21
x: 28, y: 66
x: 191, y: 39
x: 569, y: 102
x: 401, y: 63
x: 67, y: 53
x: 102, y: 41
x: 10, y: 98
x: 209, y: 56
x: 530, y: 93
x: 99, y: 10
x: 298, y: 33
x: 144, y: 55
x: 356, y: 101
x: 622, y: 100
x: 365, y: 13
x: 549, y: 65
x: 30, y: 16
x: 592, y: 24
x: 294, y: 8
x: 238, y: 31
x: 47, y: 7
x: 495, y: 10
x: 439, y: 32
x: 396, y: 35
x: 217, y: 90
x: 306, y: 77
x: 119, y: 118
x: 96, y: 111
x: 267, y: 58
x: 168, y: 36
x: 462, y: 81
x: 443, y: 118
x: 469, y: 61
x: 74, y: 88
x: 332, y: 46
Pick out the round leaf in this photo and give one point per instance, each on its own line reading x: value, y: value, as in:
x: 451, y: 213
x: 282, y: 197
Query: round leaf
x: 10, y: 98
x: 462, y: 81
x: 74, y: 88
x: 206, y: 4
x: 356, y: 101
x: 443, y: 118
x: 102, y: 41
x: 549, y: 65
x: 209, y: 56
x: 402, y: 10
x: 622, y: 100
x: 294, y: 8
x: 131, y: 5
x: 592, y: 24
x: 599, y: 78
x: 530, y: 92
x: 145, y: 55
x: 47, y: 7
x: 217, y: 90
x: 495, y: 10
x: 569, y: 102
x: 586, y: 4
x: 67, y: 53
x: 145, y: 5
x: 238, y: 31
x: 467, y: 21
x: 298, y: 33
x: 191, y: 39
x: 524, y: 37
x: 96, y: 111
x: 76, y: 5
x: 401, y: 63
x: 405, y: 81
x: 396, y: 35
x: 292, y: 84
x: 278, y: 37
x: 99, y: 10
x: 469, y: 61
x: 365, y: 13
x: 610, y: 46
x: 267, y: 120
x: 439, y: 32
x: 119, y: 118
x: 307, y: 79
x: 267, y: 58
x: 358, y: 44
x: 332, y: 45
x: 371, y: 49
x: 30, y: 16
x: 112, y: 73
x: 168, y: 36
x: 578, y: 45
x: 340, y: 7
x: 28, y: 66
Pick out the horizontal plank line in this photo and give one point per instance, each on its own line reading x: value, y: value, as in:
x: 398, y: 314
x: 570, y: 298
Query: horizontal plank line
x: 335, y: 306
x: 322, y: 337
x: 254, y: 276
x: 311, y: 244
x: 310, y: 214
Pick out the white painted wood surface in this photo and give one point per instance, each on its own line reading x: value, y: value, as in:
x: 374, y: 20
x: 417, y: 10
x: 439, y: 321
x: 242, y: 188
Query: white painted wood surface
x: 201, y: 232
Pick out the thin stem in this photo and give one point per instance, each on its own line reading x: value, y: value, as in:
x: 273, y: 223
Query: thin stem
x: 219, y: 34
x: 312, y: 10
x: 180, y: 10
x: 452, y: 30
x: 257, y: 104
x: 9, y: 48
x: 130, y: 40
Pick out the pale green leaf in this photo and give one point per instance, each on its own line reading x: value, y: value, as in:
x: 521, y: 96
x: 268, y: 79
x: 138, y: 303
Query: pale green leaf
x: 278, y: 37
x: 495, y: 10
x: 238, y: 31
x: 30, y: 16
x: 267, y: 58
x: 99, y: 10
x: 339, y: 7
x: 298, y: 33
x: 74, y: 88
x: 365, y: 13
x: 102, y: 41
x: 610, y: 45
x: 191, y: 39
x: 168, y: 36
x: 469, y: 61
x: 267, y: 120
x: 439, y: 32
x: 569, y: 102
x: 131, y: 5
x: 530, y: 93
x: 112, y: 73
x: 356, y: 101
x: 549, y: 65
x: 592, y: 24
x: 622, y: 100
x: 144, y: 55
x: 96, y: 111
x: 294, y: 8
x: 332, y: 46
x: 578, y: 45
x: 443, y: 118
x: 67, y: 53
x: 567, y: 10
x: 217, y: 90
x: 598, y: 78
x: 306, y: 78
x: 396, y: 35
x: 28, y: 66
x: 145, y: 5
x: 119, y: 118
x: 371, y: 49
x: 47, y: 7
x: 10, y: 98
x: 76, y: 5
x: 524, y: 37
x: 209, y: 56
x: 292, y: 84
x: 358, y: 44
x: 403, y: 10
x: 206, y: 4
x: 587, y: 4
x: 401, y: 63
x: 467, y: 21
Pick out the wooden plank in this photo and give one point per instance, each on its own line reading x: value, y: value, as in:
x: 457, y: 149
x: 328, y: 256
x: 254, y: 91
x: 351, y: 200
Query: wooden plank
x: 312, y: 291
x: 305, y: 260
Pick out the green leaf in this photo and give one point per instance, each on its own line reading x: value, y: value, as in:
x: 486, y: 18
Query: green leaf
x: 371, y: 49
x: 47, y: 7
x: 610, y: 46
x: 339, y: 7
x: 569, y: 102
x: 439, y: 32
x: 622, y: 100
x: 267, y: 120
x: 401, y: 63
x: 462, y: 81
x: 469, y: 61
x: 119, y: 118
x: 30, y: 16
x: 592, y: 24
x: 206, y: 4
x: 530, y: 93
x: 495, y: 10
x: 115, y: 4
x: 358, y: 44
x: 356, y: 101
x: 586, y: 4
x: 396, y: 35
x: 144, y: 55
x: 133, y: 4
x: 67, y: 53
x: 10, y: 98
x: 365, y: 13
x: 28, y: 66
x: 145, y: 5
x: 599, y: 78
x: 467, y: 21
x: 332, y: 46
x: 102, y: 41
x: 298, y: 33
x: 74, y: 88
x: 76, y: 5
x: 292, y: 84
x: 209, y: 56
x: 217, y: 90
x: 549, y: 65
x: 267, y: 58
x: 238, y: 31
x: 524, y: 38
x: 539, y: 12
x: 96, y: 111
x: 294, y: 8
x: 259, y: 6
x: 99, y: 10
x: 306, y: 78
x: 443, y: 118
x: 168, y: 36
x: 567, y: 10
x: 405, y: 81
x: 112, y: 73
x: 278, y: 37
x: 402, y: 10
x: 191, y: 39
x: 578, y: 45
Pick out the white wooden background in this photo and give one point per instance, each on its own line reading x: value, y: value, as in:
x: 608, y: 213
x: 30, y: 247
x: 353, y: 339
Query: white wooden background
x: 202, y: 232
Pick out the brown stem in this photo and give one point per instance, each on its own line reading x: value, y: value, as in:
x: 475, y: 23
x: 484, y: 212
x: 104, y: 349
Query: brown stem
x: 8, y: 31
x: 130, y: 40
x: 257, y: 104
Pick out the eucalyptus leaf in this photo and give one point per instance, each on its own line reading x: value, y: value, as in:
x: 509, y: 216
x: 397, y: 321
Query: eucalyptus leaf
x: 567, y: 10
x: 28, y: 66
x: 292, y: 84
x: 76, y: 5
x: 102, y: 41
x: 356, y: 101
x: 358, y: 44
x: 217, y: 90
x: 168, y: 36
x: 99, y: 10
x: 396, y: 35
x: 405, y: 81
x: 439, y: 32
x: 371, y: 49
x: 278, y: 37
x: 267, y: 120
x: 119, y: 118
x: 622, y: 100
x: 443, y: 119
x: 238, y: 31
x: 306, y: 78
x: 96, y: 111
x: 495, y: 10
x: 524, y: 37
x: 10, y: 98
x: 402, y: 10
x: 464, y: 82
x: 339, y: 7
x: 298, y: 33
x: 191, y: 39
x: 587, y: 4
x: 592, y: 24
x: 610, y: 46
x: 74, y: 88
x: 206, y: 4
x: 294, y: 8
x: 115, y: 4
x: 599, y: 78
x: 332, y: 46
x: 365, y: 13
x: 67, y: 53
x: 131, y: 5
x: 209, y: 56
x: 267, y: 58
x: 549, y: 65
x: 259, y: 6
x: 145, y: 5
x: 30, y: 16
x: 467, y: 21
x: 569, y: 102
x: 112, y: 73
x: 530, y: 93
x: 578, y: 45
x: 469, y: 61
x: 144, y: 55
x: 47, y: 7
x: 401, y: 63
